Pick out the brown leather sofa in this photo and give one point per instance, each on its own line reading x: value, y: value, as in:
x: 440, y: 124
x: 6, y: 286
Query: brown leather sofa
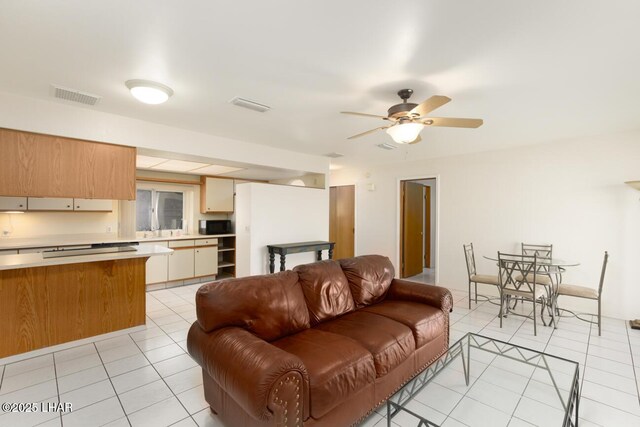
x: 322, y: 345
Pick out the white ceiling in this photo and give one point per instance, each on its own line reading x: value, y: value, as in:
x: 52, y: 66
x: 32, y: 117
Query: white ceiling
x: 534, y: 71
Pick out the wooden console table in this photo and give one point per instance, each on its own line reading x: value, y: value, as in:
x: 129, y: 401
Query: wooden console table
x: 293, y: 248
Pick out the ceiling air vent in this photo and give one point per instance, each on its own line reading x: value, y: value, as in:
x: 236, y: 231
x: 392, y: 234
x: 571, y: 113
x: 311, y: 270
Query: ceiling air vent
x: 74, y: 95
x: 334, y: 155
x: 251, y: 105
x: 386, y: 146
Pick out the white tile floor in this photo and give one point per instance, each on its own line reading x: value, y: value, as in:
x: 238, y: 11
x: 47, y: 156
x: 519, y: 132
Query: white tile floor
x: 146, y: 378
x: 427, y: 276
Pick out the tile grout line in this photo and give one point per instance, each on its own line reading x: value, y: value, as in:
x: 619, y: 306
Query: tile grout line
x: 162, y: 378
x: 111, y: 382
x: 55, y: 374
x: 635, y: 370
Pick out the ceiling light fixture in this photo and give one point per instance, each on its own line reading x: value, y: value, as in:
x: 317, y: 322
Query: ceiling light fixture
x: 149, y: 92
x: 405, y: 133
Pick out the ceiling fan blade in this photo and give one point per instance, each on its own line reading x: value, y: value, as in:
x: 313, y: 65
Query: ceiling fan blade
x: 415, y: 141
x: 367, y: 132
x: 452, y: 122
x: 430, y: 104
x: 364, y: 115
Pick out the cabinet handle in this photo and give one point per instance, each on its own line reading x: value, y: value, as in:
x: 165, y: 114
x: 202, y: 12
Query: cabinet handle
x: 68, y: 206
x: 20, y: 206
x: 77, y: 207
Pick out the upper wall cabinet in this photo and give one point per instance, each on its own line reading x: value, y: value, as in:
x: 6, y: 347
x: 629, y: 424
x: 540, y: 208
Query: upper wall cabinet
x: 216, y: 195
x: 51, y: 166
x: 13, y: 203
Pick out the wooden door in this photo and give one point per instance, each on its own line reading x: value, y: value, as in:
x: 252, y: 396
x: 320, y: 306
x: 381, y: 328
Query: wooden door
x: 412, y: 230
x: 427, y: 226
x: 342, y: 220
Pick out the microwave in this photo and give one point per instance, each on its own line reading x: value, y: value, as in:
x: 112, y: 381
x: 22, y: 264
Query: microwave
x: 214, y: 226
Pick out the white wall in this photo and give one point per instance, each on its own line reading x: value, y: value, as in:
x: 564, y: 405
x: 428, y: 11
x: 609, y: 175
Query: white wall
x: 270, y: 214
x: 569, y: 193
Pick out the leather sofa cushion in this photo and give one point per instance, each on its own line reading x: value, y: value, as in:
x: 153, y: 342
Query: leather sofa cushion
x: 389, y: 342
x: 270, y: 306
x: 426, y: 322
x: 338, y: 366
x: 369, y: 278
x: 325, y: 289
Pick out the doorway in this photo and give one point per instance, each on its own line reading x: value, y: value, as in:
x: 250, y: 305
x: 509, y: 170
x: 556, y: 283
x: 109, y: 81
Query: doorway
x: 418, y: 211
x: 342, y: 220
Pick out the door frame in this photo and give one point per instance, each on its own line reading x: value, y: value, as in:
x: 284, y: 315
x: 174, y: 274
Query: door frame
x: 399, y: 220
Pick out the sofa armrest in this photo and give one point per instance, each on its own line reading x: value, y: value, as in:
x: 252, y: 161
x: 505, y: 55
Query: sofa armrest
x: 265, y: 381
x: 435, y: 296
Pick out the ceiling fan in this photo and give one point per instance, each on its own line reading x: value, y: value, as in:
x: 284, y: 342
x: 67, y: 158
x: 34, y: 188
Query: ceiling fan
x: 408, y: 119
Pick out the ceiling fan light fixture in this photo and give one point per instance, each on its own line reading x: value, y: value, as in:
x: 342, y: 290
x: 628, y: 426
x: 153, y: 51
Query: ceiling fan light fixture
x: 404, y: 133
x: 149, y: 92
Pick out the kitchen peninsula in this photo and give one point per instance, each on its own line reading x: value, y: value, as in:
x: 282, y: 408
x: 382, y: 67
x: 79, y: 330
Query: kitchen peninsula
x: 46, y: 301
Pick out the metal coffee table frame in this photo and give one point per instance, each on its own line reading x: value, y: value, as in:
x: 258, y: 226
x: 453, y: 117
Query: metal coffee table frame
x: 462, y: 348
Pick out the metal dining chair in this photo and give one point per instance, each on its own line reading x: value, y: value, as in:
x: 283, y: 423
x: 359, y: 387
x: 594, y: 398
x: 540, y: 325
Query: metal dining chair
x: 476, y: 278
x: 586, y: 293
x: 519, y: 279
x: 542, y: 252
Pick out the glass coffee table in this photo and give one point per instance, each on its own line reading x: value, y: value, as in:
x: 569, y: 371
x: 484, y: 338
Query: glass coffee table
x: 482, y: 381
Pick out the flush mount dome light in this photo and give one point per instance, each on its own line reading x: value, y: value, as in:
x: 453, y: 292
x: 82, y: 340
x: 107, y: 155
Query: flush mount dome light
x: 404, y: 133
x: 149, y: 92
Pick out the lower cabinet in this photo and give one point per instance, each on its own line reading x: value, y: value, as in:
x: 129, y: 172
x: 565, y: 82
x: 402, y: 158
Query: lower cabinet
x: 181, y: 264
x: 206, y: 261
x: 157, y: 266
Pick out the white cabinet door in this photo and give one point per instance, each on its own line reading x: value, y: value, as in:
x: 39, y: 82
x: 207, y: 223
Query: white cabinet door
x: 218, y: 195
x: 49, y: 204
x: 93, y: 205
x: 157, y: 267
x: 206, y: 261
x: 181, y: 264
x: 13, y: 203
x: 8, y: 252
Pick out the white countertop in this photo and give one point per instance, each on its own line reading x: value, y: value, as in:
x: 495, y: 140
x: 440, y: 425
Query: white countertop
x: 88, y: 239
x: 14, y: 262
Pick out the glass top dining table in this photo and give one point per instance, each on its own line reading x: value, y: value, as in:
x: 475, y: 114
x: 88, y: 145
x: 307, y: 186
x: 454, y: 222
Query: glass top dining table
x: 551, y: 262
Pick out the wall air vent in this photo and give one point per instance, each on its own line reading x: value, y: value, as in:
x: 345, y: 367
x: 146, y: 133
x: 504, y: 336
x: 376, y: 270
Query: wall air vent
x: 386, y: 146
x: 74, y: 95
x: 251, y: 105
x: 334, y: 155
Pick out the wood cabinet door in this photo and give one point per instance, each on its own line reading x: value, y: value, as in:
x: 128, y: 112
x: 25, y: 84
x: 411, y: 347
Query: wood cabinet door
x: 181, y: 264
x: 206, y: 261
x: 342, y: 220
x: 412, y: 228
x: 217, y: 195
x: 36, y: 165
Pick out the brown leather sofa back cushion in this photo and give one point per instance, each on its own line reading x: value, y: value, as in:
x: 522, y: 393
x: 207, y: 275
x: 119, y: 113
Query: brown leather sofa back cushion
x: 325, y: 289
x: 369, y: 278
x: 270, y: 306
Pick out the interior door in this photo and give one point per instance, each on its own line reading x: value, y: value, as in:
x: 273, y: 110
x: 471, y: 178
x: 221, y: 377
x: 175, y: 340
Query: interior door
x: 412, y: 229
x: 342, y: 220
x: 427, y: 226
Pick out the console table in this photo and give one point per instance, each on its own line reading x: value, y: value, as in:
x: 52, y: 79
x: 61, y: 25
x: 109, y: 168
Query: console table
x: 293, y: 248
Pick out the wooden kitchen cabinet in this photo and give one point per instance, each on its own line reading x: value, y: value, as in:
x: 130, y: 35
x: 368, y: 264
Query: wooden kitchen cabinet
x: 49, y: 204
x: 206, y: 261
x: 37, y: 165
x: 13, y: 203
x: 92, y: 205
x: 181, y: 264
x: 216, y: 195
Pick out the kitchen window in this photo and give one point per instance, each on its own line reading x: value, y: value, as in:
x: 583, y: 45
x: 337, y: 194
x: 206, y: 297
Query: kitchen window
x: 159, y: 209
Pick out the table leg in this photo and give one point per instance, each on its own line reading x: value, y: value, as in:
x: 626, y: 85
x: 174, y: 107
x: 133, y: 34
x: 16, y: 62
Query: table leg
x: 331, y: 252
x: 272, y: 262
x: 282, y: 261
x: 319, y: 256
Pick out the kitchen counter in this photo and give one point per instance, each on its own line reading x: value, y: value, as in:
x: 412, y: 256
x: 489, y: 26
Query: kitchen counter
x: 13, y: 262
x: 88, y: 239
